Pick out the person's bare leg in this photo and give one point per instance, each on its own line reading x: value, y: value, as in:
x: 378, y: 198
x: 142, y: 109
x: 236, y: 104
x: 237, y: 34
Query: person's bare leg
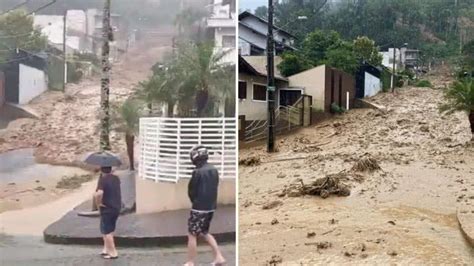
x: 219, y: 259
x: 104, y: 249
x: 192, y: 250
x: 112, y: 251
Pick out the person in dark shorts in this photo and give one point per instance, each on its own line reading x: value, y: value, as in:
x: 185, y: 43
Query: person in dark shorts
x: 202, y: 191
x: 108, y: 198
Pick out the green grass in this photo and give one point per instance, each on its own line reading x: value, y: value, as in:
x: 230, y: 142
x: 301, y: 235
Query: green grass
x: 423, y: 83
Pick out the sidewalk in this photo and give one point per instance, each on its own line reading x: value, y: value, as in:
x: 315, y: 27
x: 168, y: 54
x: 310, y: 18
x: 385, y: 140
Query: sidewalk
x: 154, y: 229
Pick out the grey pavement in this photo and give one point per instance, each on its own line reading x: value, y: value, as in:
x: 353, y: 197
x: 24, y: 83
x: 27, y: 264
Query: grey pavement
x: 32, y: 251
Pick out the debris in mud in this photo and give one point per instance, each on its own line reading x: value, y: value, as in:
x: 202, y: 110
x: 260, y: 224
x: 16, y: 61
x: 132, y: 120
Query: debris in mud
x: 366, y: 164
x: 40, y: 188
x: 322, y: 187
x: 425, y: 128
x: 272, y: 205
x: 323, y: 245
x: 281, y: 175
x: 250, y: 161
x: 392, y: 222
x: 275, y: 260
x: 310, y: 234
x: 247, y: 204
x: 73, y: 182
x: 392, y: 253
x: 274, y: 221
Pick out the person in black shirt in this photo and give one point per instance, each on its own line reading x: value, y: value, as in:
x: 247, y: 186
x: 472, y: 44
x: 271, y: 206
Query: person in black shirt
x: 108, y: 198
x: 202, y: 191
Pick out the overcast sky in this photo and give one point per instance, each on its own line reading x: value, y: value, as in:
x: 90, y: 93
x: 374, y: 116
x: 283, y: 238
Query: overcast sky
x: 251, y: 4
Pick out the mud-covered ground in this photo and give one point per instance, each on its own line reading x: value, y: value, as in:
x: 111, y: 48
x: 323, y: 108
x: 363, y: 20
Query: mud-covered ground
x: 404, y: 212
x: 67, y: 127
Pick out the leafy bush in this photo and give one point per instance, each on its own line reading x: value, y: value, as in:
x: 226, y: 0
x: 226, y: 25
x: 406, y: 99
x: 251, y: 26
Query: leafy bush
x: 423, y: 83
x: 336, y: 109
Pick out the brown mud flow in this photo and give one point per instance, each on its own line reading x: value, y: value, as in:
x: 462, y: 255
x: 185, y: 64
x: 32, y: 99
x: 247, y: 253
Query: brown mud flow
x: 408, y: 168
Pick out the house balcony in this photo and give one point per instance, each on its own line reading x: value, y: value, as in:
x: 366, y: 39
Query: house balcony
x: 231, y: 54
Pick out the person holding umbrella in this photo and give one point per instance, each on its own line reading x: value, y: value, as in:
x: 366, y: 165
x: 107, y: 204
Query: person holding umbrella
x: 108, y: 198
x: 202, y: 191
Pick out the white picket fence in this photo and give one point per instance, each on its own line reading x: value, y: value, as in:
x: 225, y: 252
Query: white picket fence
x: 165, y: 144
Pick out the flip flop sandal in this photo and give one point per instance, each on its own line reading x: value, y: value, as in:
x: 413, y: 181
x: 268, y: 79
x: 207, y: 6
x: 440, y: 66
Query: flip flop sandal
x: 108, y: 257
x: 218, y: 263
x: 103, y: 254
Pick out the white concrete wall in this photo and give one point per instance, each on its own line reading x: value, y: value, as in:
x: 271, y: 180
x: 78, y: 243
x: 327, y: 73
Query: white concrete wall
x: 372, y: 85
x: 33, y: 82
x: 387, y: 59
x: 162, y: 196
x: 253, y: 110
x: 313, y: 82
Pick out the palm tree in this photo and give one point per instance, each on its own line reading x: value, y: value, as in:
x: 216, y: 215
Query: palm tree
x: 203, y: 68
x: 105, y: 80
x: 460, y: 97
x: 188, y: 17
x: 127, y: 117
x: 163, y: 87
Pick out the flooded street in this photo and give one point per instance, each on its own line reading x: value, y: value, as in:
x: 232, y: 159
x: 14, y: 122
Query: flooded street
x: 404, y: 213
x: 32, y: 251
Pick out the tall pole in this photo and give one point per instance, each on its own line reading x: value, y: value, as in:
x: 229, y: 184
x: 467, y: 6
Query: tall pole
x: 270, y: 81
x: 393, y: 70
x: 65, y: 50
x: 105, y: 80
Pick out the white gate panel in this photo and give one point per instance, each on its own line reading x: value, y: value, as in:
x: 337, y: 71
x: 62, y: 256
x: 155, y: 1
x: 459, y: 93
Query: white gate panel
x: 165, y: 144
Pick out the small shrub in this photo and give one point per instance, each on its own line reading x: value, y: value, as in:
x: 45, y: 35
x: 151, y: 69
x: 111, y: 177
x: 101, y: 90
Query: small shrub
x: 335, y: 108
x: 423, y: 83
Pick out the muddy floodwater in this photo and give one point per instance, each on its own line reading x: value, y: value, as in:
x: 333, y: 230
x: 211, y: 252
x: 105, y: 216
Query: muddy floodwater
x: 404, y: 212
x: 19, y: 166
x: 25, y: 183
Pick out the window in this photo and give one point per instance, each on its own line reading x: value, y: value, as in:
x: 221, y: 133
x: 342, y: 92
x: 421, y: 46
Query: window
x: 228, y: 41
x: 242, y: 90
x: 259, y: 92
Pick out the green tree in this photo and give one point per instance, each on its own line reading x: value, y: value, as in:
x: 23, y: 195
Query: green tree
x: 366, y: 51
x: 293, y: 63
x: 261, y: 12
x: 460, y: 97
x: 200, y: 64
x: 17, y: 31
x: 329, y: 48
x: 343, y: 58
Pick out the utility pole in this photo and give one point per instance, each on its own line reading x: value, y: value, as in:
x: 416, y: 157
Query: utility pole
x: 65, y: 50
x: 271, y: 80
x: 105, y: 80
x: 393, y: 70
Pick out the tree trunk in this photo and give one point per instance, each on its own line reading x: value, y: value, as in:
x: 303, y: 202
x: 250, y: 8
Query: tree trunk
x: 471, y: 121
x: 130, y: 140
x: 105, y: 80
x: 170, y: 109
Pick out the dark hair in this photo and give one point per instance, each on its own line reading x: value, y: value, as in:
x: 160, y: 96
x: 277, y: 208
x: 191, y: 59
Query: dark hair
x: 106, y: 170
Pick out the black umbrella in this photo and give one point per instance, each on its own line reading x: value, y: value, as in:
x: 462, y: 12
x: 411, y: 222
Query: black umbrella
x: 103, y: 159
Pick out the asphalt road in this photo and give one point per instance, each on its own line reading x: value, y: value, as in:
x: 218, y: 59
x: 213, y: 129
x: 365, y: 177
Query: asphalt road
x: 32, y: 251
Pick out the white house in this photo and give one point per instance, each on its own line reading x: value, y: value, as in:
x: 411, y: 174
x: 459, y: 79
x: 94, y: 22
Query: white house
x: 253, y: 36
x: 221, y: 23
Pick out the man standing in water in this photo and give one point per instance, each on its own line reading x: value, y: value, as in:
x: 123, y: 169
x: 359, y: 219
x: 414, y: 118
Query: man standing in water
x: 202, y: 191
x: 109, y: 200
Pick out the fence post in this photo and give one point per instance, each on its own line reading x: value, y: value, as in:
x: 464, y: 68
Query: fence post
x: 302, y: 111
x: 243, y: 125
x: 178, y: 153
x: 222, y: 146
